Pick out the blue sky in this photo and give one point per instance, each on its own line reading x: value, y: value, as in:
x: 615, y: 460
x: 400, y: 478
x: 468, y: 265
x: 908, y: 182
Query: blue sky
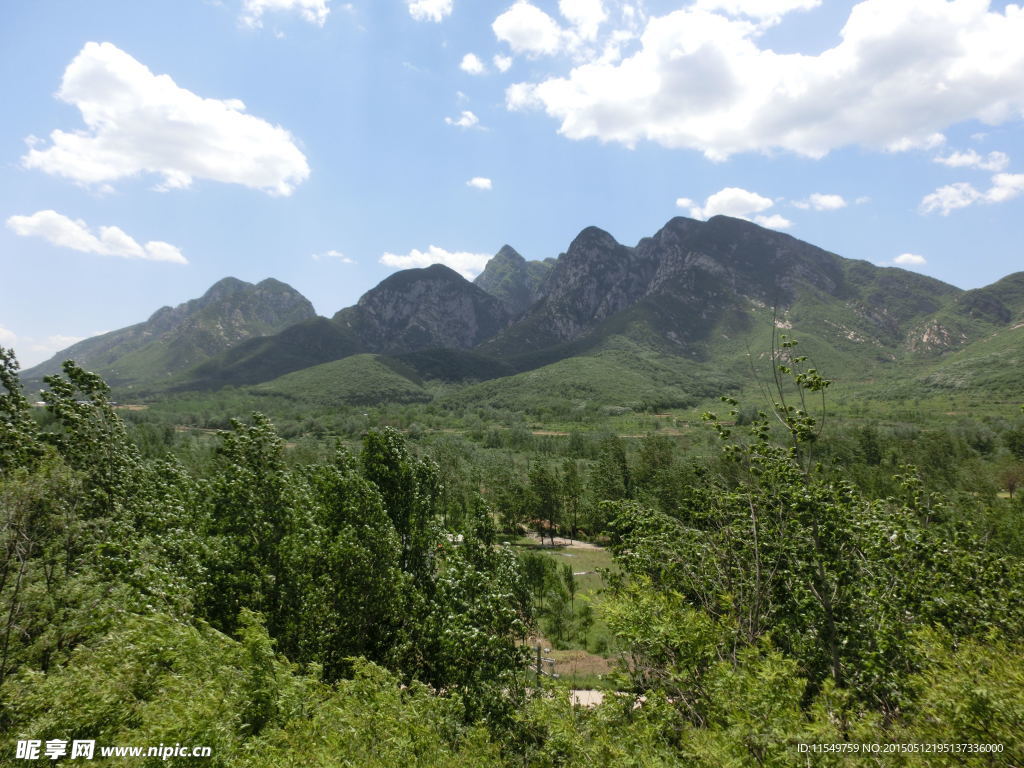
x: 149, y: 149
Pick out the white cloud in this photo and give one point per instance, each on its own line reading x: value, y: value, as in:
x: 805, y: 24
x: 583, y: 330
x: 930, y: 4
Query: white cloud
x: 333, y: 256
x: 994, y: 161
x: 738, y: 203
x: 111, y: 241
x: 775, y: 221
x: 820, y: 202
x: 314, y: 11
x: 758, y: 9
x: 138, y: 122
x: 429, y: 10
x: 502, y: 63
x: 732, y: 201
x: 479, y: 182
x: 908, y: 143
x: 1005, y: 186
x: 585, y: 15
x: 471, y: 63
x: 527, y: 29
x: 910, y: 260
x: 950, y: 197
x: 862, y: 200
x: 32, y: 351
x: 902, y: 71
x: 465, y: 120
x: 469, y: 265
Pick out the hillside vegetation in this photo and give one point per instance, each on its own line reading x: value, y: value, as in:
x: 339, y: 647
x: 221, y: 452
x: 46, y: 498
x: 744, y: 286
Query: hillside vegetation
x: 680, y: 316
x: 359, y: 602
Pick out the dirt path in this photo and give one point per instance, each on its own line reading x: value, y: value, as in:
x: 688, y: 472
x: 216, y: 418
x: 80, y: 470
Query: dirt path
x: 587, y: 698
x: 560, y: 542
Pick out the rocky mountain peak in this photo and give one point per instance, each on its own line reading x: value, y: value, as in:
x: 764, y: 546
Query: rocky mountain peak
x: 422, y: 308
x: 175, y: 338
x: 514, y: 281
x: 508, y: 254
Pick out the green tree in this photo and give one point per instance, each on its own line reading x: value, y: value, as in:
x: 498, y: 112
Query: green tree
x: 610, y: 478
x: 19, y: 436
x: 545, y: 499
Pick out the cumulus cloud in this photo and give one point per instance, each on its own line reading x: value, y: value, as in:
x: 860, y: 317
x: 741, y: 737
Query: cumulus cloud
x: 952, y: 197
x: 138, y: 122
x: 1005, y: 186
x: 429, y: 10
x: 528, y: 30
x: 479, y: 182
x: 775, y: 221
x: 469, y: 265
x: 502, y: 63
x: 820, y: 202
x: 471, y: 63
x: 7, y: 337
x: 585, y: 15
x: 314, y: 11
x: 732, y: 201
x: 739, y: 203
x: 61, y: 231
x: 758, y: 9
x: 902, y: 71
x: 910, y: 260
x: 994, y: 161
x: 465, y: 120
x: 333, y: 255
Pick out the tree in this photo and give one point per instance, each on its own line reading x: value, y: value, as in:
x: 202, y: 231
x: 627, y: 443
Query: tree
x: 545, y: 499
x: 610, y: 479
x: 774, y: 547
x: 1011, y: 477
x: 572, y: 495
x: 410, y: 488
x: 19, y: 436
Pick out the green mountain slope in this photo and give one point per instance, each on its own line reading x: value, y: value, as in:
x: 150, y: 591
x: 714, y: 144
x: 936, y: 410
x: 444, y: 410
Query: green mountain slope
x: 513, y: 280
x: 682, y: 314
x: 355, y: 380
x: 264, y: 358
x: 173, y: 339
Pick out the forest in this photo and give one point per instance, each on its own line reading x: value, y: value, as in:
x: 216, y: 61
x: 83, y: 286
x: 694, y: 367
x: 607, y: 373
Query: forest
x: 786, y: 590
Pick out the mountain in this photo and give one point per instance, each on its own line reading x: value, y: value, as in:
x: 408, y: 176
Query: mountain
x: 685, y: 313
x: 694, y: 281
x: 174, y: 339
x: 354, y: 380
x: 263, y: 358
x: 409, y: 312
x: 513, y: 280
x: 419, y: 309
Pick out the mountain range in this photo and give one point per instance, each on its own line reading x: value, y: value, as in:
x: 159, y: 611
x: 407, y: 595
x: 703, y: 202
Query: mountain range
x: 679, y: 316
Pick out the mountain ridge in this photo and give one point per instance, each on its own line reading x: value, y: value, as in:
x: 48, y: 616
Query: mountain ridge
x: 176, y: 338
x: 697, y: 296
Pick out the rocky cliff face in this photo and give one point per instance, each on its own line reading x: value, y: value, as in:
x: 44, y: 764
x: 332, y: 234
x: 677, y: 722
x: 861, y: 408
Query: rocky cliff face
x: 175, y: 338
x: 420, y: 309
x: 681, y: 291
x: 693, y: 275
x: 703, y: 265
x: 593, y: 280
x: 513, y: 280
